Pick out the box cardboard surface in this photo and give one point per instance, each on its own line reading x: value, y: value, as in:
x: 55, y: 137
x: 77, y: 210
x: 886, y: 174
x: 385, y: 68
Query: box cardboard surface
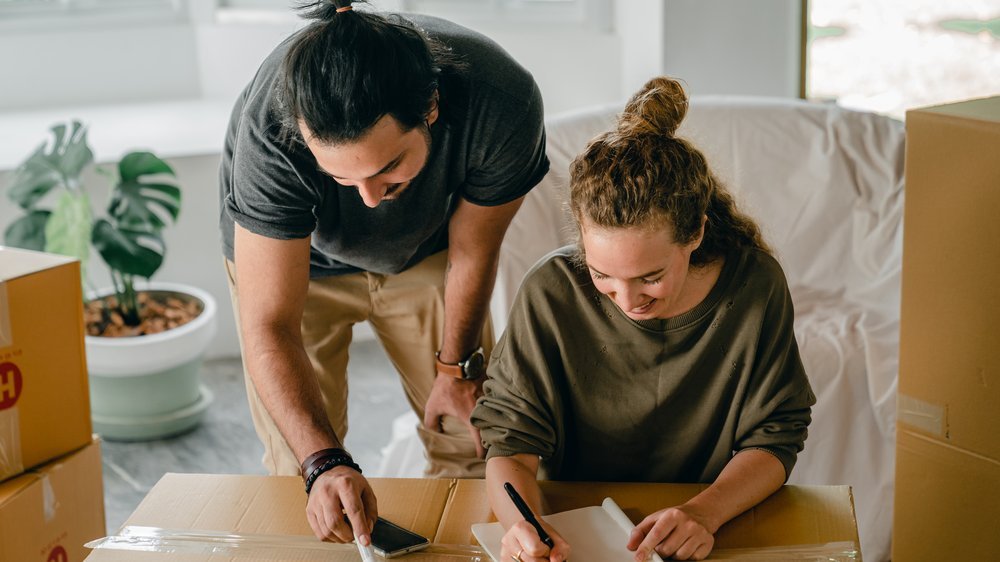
x: 48, y: 513
x: 947, y: 450
x: 795, y: 515
x: 267, y: 505
x: 269, y: 513
x: 44, y: 398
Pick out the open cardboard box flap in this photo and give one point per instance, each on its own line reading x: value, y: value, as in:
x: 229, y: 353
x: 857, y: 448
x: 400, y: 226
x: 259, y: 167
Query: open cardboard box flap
x: 212, y: 518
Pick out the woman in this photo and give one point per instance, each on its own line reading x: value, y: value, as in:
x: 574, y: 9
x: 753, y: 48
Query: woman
x: 660, y: 349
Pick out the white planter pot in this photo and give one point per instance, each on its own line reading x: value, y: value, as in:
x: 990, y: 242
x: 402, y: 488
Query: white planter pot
x: 148, y: 387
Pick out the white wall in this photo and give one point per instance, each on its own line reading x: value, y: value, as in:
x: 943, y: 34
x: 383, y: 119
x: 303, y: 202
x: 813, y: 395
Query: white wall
x: 96, y: 65
x: 734, y: 47
x: 717, y: 46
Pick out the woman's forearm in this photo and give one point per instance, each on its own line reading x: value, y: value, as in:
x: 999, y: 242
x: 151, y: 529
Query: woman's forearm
x: 750, y: 477
x: 522, y: 472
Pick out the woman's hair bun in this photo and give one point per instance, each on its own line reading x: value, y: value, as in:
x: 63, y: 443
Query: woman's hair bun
x: 658, y: 108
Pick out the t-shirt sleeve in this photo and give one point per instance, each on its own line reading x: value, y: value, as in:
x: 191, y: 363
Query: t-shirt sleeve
x: 270, y: 196
x: 513, y: 158
x: 515, y: 414
x: 778, y: 406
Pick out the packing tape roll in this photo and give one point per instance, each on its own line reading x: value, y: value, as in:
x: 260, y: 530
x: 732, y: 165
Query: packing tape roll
x: 262, y: 547
x: 922, y: 415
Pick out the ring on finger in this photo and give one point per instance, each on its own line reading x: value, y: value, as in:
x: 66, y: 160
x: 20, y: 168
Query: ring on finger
x: 517, y: 557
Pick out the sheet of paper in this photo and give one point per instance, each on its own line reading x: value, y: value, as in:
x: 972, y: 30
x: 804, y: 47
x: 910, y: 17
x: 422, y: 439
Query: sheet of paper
x: 596, y: 534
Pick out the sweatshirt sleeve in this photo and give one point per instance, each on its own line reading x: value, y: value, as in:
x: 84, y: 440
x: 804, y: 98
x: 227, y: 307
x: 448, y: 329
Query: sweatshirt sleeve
x: 518, y: 409
x: 778, y: 405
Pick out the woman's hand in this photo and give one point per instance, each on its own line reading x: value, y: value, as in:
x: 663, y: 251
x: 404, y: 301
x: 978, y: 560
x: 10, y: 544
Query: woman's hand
x: 521, y: 542
x: 674, y: 532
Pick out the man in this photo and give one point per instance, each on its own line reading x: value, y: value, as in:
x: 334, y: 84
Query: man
x: 370, y: 171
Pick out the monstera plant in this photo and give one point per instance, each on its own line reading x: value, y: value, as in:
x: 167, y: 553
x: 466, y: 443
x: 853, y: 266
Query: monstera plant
x: 128, y: 238
x: 145, y: 386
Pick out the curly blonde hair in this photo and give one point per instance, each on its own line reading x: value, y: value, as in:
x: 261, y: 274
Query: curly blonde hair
x: 640, y: 175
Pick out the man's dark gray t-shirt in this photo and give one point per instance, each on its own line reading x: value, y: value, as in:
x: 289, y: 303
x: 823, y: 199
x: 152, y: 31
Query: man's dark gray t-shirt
x: 488, y: 147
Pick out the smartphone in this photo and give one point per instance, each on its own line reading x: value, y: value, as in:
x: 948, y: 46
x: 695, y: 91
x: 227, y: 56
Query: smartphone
x: 391, y: 540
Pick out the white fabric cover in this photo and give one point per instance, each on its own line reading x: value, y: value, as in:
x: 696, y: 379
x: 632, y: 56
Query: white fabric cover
x: 826, y: 186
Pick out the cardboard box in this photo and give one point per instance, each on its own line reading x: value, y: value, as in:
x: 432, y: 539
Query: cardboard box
x: 44, y: 398
x: 198, y: 517
x: 947, y: 450
x: 48, y: 513
x: 795, y: 515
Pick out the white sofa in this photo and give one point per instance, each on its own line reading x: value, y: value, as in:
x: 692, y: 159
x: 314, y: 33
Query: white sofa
x: 826, y: 185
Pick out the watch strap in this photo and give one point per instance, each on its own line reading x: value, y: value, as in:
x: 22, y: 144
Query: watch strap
x: 455, y: 370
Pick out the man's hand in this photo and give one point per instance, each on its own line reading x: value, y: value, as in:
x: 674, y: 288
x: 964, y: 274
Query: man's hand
x: 339, y: 491
x: 456, y: 398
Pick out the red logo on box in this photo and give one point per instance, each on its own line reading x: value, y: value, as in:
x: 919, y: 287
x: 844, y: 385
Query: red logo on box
x: 10, y: 385
x: 58, y: 554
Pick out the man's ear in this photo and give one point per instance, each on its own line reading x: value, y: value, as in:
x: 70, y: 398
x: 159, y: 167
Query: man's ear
x: 432, y: 115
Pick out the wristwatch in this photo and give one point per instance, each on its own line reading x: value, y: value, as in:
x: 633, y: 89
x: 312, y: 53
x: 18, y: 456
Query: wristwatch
x: 469, y: 369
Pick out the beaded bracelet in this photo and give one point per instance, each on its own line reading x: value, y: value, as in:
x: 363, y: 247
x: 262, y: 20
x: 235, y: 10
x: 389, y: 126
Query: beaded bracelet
x: 328, y: 462
x: 319, y: 457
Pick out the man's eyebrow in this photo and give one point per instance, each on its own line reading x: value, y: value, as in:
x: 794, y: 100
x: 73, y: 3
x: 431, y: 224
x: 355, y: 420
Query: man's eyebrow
x: 387, y: 168
x: 643, y: 276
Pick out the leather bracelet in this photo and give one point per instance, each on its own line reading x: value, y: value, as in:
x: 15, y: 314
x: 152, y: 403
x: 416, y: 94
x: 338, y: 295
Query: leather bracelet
x: 328, y: 464
x: 314, y: 460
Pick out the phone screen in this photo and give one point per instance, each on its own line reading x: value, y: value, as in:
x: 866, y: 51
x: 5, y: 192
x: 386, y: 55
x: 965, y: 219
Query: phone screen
x: 391, y: 540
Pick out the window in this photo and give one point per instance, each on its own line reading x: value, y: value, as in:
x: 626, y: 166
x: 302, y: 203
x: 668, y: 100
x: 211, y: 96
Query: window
x: 31, y: 15
x: 594, y: 14
x: 888, y: 56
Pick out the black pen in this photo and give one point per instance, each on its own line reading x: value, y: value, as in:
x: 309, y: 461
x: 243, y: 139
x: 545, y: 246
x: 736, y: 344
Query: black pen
x: 527, y: 514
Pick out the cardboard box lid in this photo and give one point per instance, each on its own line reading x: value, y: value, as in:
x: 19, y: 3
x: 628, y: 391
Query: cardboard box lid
x: 982, y: 109
x: 260, y: 506
x: 276, y: 505
x: 15, y: 262
x: 443, y: 510
x: 795, y: 515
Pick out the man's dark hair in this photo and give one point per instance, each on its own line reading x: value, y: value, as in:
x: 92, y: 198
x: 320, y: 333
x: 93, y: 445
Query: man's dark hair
x: 347, y: 69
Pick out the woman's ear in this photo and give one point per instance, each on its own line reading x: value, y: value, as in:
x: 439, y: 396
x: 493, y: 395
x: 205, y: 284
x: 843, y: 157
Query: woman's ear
x: 696, y: 243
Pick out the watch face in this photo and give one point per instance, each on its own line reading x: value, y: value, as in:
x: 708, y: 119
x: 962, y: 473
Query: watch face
x: 475, y: 365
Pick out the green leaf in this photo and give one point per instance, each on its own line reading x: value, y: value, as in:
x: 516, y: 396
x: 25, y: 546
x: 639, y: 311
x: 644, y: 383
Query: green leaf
x: 34, y: 178
x: 127, y: 251
x: 144, y: 206
x: 136, y: 164
x: 76, y: 153
x: 28, y: 232
x: 57, y: 164
x: 67, y: 231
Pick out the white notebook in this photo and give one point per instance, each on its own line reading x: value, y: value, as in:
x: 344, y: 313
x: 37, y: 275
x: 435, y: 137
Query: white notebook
x: 596, y: 533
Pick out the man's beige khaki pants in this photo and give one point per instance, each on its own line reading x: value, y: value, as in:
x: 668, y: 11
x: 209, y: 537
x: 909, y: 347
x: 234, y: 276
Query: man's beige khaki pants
x: 406, y: 312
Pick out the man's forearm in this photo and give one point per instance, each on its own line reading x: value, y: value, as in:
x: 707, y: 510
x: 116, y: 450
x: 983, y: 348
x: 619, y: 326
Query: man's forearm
x: 468, y: 286
x: 283, y: 376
